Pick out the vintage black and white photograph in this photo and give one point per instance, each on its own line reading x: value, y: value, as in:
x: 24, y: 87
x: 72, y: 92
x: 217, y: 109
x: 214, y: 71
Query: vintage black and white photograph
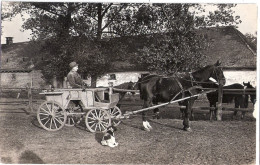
x: 128, y: 83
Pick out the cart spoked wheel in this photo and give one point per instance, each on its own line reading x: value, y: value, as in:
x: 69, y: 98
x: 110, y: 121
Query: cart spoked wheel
x: 51, y: 116
x: 72, y: 117
x: 114, y: 112
x: 97, y: 120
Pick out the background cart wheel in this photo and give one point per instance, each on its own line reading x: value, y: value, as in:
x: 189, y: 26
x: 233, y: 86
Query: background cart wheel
x: 73, y: 107
x: 51, y: 116
x: 97, y: 120
x: 115, y: 111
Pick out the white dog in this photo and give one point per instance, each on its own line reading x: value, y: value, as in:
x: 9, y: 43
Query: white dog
x: 109, y: 137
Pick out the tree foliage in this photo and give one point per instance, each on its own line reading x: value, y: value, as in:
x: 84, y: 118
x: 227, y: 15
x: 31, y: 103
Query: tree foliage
x: 251, y: 38
x: 178, y: 47
x: 78, y: 31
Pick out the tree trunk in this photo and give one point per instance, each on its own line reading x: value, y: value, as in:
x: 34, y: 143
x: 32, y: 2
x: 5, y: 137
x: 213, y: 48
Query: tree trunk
x: 93, y: 81
x: 99, y: 31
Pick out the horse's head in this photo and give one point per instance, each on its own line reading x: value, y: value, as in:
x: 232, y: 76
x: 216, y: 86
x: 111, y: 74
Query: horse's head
x: 217, y: 73
x: 249, y: 86
x: 131, y: 86
x: 135, y: 86
x: 210, y: 72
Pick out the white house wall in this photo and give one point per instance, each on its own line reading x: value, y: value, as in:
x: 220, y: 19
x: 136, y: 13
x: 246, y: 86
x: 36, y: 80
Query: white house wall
x: 240, y: 77
x: 231, y: 77
x: 121, y: 77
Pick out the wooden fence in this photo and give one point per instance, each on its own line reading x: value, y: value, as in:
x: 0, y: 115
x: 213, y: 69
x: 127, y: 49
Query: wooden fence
x: 29, y: 98
x: 20, y: 96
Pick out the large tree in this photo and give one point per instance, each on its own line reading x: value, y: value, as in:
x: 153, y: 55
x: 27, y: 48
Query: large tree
x: 178, y: 47
x: 78, y: 30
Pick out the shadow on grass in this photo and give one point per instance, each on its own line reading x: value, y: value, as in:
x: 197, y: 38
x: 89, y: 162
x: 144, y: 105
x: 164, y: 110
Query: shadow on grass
x: 35, y: 122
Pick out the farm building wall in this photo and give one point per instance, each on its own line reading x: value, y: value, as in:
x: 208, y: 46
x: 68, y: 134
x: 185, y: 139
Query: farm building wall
x: 15, y: 80
x: 21, y: 79
x: 120, y: 78
x: 233, y: 76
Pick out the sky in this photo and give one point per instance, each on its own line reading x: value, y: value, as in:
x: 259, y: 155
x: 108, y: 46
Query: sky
x: 247, y: 12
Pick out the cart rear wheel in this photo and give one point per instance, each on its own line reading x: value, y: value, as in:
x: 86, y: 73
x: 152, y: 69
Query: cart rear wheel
x: 73, y: 107
x: 115, y: 111
x: 97, y: 120
x: 51, y: 116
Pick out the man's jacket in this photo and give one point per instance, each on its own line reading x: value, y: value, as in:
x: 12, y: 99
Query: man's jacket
x: 74, y: 79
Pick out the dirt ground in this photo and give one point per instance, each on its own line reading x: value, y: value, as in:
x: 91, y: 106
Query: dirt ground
x: 22, y: 140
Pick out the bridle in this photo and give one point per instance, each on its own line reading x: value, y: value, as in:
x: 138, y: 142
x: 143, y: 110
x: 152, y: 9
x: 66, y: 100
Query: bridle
x: 216, y: 74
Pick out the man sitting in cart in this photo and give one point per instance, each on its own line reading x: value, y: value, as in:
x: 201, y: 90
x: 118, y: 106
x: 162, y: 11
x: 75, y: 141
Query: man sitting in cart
x: 75, y: 80
x: 73, y: 77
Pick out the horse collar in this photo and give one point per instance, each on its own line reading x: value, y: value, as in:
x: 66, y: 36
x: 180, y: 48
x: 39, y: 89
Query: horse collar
x: 179, y: 83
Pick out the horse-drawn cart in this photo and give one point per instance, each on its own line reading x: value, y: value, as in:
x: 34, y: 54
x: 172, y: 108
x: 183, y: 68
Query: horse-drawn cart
x: 98, y: 105
x: 69, y: 106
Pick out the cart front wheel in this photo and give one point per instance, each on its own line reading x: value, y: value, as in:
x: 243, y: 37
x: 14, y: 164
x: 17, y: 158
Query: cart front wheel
x: 97, y: 120
x: 115, y: 112
x: 51, y: 116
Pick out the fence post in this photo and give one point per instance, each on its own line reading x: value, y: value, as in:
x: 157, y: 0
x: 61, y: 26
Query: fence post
x: 30, y: 97
x: 219, y: 105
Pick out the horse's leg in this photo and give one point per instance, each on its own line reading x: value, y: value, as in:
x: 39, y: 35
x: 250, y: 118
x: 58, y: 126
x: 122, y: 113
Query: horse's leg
x: 181, y: 104
x: 210, y: 111
x: 156, y: 111
x: 244, y: 104
x: 187, y: 111
x: 236, y: 105
x: 146, y: 124
x: 191, y: 109
x: 213, y: 112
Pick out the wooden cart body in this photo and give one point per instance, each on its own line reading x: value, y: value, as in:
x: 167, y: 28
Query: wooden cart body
x: 90, y: 98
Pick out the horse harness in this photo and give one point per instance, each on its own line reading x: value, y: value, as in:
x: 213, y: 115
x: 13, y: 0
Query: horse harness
x: 176, y: 78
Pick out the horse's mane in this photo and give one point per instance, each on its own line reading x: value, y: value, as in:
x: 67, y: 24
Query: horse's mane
x: 202, y: 69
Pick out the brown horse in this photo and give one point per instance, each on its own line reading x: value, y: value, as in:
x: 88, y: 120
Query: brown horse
x: 158, y: 88
x: 126, y: 86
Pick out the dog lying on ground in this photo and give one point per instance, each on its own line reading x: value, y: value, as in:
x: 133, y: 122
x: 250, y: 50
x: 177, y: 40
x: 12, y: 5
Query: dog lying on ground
x: 109, y: 137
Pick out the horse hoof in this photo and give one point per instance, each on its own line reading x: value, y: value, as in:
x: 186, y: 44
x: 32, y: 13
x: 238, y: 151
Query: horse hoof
x: 187, y: 129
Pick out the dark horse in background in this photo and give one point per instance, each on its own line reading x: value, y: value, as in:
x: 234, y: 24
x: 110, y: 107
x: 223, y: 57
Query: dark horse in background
x: 125, y: 86
x: 158, y: 88
x: 241, y: 100
x: 252, y: 97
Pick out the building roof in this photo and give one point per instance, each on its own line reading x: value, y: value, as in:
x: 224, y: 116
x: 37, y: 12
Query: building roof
x: 15, y: 70
x: 230, y: 46
x: 13, y: 56
x: 225, y: 43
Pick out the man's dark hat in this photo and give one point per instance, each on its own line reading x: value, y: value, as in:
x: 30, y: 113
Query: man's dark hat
x: 73, y: 64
